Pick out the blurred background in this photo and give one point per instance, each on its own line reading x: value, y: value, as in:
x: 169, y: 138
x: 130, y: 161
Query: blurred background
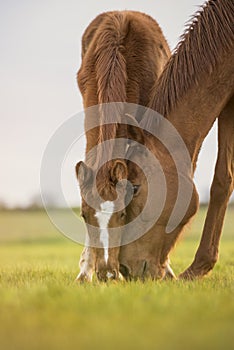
x: 40, y: 46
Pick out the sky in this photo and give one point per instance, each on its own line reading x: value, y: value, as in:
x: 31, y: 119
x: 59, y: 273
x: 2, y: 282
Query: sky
x: 40, y: 45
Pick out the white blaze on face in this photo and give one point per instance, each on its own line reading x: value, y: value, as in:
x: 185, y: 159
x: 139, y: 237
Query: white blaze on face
x: 103, y: 218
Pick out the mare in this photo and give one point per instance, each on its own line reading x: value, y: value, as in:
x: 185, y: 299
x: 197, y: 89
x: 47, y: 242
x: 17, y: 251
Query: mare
x: 195, y: 89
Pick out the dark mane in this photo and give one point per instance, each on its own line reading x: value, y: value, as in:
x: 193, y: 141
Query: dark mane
x: 206, y: 39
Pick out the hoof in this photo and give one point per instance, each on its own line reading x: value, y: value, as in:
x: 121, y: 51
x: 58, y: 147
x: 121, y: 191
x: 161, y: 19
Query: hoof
x: 193, y: 272
x: 187, y: 275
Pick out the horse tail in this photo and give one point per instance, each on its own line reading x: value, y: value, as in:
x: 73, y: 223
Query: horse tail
x: 111, y: 76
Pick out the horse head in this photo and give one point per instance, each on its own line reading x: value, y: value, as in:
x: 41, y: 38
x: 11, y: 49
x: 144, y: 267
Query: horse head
x: 103, y: 210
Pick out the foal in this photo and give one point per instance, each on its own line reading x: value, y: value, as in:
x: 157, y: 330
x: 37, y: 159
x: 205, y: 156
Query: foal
x: 123, y: 54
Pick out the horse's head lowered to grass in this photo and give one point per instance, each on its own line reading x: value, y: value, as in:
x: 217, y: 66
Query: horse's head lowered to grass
x: 103, y: 210
x: 124, y: 198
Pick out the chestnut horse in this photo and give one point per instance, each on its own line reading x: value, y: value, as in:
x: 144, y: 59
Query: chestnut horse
x: 195, y: 88
x: 123, y: 54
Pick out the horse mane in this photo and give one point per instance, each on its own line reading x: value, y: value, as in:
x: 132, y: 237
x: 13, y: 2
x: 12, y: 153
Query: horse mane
x: 111, y: 71
x: 104, y: 59
x: 208, y: 36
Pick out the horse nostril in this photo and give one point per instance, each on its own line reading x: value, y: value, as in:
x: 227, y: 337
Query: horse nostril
x: 125, y: 272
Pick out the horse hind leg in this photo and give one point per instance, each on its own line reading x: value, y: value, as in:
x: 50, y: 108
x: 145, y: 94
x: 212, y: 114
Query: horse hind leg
x: 221, y: 189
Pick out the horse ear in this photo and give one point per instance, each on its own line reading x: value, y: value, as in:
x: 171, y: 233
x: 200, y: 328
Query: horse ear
x: 83, y: 172
x: 118, y: 171
x: 135, y: 132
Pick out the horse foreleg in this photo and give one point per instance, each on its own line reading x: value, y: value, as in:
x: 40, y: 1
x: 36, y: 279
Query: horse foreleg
x: 222, y: 187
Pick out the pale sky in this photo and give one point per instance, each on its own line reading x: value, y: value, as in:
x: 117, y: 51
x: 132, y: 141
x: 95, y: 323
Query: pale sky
x: 40, y: 45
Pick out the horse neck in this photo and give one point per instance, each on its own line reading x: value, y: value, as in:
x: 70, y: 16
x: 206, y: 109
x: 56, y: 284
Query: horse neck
x: 194, y: 115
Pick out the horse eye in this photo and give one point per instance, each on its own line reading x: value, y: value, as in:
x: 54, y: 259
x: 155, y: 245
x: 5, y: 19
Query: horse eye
x: 135, y: 189
x: 122, y: 215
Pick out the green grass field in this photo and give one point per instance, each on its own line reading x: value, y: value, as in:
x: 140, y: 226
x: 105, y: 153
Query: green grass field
x: 41, y: 307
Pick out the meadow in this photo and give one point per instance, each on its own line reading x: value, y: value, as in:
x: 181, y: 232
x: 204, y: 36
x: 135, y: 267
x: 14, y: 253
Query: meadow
x: 41, y: 306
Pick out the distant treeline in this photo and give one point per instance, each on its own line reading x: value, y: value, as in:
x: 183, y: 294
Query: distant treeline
x: 75, y: 209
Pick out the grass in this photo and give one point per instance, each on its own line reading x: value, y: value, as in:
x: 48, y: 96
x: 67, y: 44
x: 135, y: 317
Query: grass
x: 41, y: 307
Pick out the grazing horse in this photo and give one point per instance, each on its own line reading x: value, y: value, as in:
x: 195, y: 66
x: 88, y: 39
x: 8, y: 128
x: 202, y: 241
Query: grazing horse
x: 195, y: 88
x: 123, y: 54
